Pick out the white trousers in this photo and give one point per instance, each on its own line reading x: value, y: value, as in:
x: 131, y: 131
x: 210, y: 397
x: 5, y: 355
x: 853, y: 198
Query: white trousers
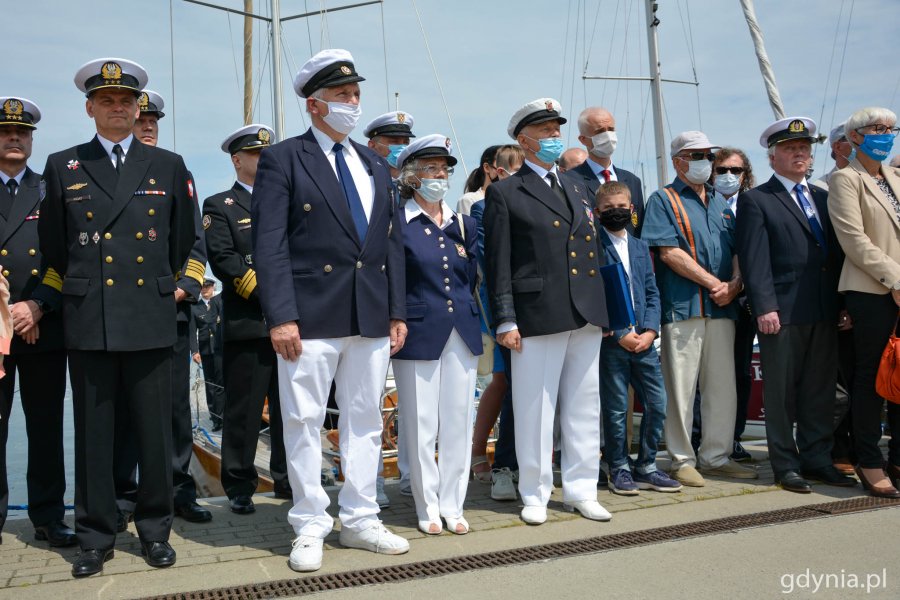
x: 358, y: 366
x: 436, y: 399
x: 699, y: 351
x: 563, y: 367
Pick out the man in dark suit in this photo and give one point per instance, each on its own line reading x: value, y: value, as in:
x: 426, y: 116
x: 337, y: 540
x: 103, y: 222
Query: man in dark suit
x: 331, y: 268
x: 207, y: 346
x: 791, y: 261
x: 548, y: 305
x: 188, y: 281
x: 116, y: 225
x: 597, y: 131
x: 248, y: 359
x: 36, y: 351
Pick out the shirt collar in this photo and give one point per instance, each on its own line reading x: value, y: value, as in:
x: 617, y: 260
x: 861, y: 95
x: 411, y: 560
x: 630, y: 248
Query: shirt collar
x: 598, y: 169
x: 616, y: 239
x: 327, y: 143
x: 413, y: 210
x: 108, y: 145
x: 680, y: 186
x: 5, y: 178
x: 541, y: 171
x: 789, y: 184
x: 249, y: 188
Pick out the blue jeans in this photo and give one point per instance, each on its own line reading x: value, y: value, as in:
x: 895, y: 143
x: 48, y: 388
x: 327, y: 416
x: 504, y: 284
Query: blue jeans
x: 618, y: 368
x: 505, y: 448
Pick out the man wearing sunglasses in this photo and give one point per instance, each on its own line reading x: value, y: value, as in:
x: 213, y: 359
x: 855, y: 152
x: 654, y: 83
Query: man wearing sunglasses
x: 691, y: 231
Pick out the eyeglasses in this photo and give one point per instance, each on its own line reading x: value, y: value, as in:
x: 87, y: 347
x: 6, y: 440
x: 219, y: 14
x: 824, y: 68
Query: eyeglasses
x: 880, y: 129
x: 732, y: 170
x: 697, y: 156
x: 432, y: 170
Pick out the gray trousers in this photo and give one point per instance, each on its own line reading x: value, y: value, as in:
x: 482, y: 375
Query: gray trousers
x: 799, y: 366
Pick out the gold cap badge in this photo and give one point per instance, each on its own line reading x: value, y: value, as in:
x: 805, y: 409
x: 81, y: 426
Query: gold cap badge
x: 263, y: 136
x: 12, y: 107
x: 144, y: 101
x: 796, y: 126
x: 401, y: 117
x: 111, y: 71
x: 345, y: 70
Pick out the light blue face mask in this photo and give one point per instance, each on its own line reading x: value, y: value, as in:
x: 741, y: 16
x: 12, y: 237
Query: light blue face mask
x: 433, y: 190
x: 394, y: 151
x: 727, y: 184
x: 550, y: 150
x: 877, y: 146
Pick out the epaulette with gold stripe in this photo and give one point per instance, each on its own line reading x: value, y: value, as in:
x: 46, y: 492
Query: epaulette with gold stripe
x: 195, y: 270
x: 52, y: 279
x: 245, y: 285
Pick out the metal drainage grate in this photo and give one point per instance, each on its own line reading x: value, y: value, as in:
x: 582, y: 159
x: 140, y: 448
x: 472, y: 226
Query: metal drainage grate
x: 461, y: 564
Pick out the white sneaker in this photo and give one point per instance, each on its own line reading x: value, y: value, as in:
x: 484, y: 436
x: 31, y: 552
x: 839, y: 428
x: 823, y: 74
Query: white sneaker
x: 589, y: 509
x: 380, y: 496
x: 376, y: 538
x: 306, y: 554
x: 502, y: 486
x: 534, y: 515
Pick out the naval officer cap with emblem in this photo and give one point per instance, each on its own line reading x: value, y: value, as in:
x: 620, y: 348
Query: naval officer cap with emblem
x: 110, y: 73
x: 429, y: 146
x: 536, y: 111
x: 151, y: 103
x: 19, y: 111
x: 250, y: 137
x: 396, y: 123
x: 329, y: 68
x: 790, y: 128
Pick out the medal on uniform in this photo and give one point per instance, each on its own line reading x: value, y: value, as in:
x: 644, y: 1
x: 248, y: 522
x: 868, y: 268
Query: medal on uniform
x: 151, y: 235
x: 207, y: 221
x: 83, y: 238
x: 427, y: 231
x: 249, y: 259
x: 72, y: 165
x: 96, y: 237
x: 152, y: 181
x: 461, y: 250
x: 228, y: 201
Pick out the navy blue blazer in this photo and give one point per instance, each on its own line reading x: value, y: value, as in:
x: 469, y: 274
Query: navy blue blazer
x: 782, y: 265
x: 585, y: 174
x: 645, y: 294
x: 440, y: 277
x: 311, y: 266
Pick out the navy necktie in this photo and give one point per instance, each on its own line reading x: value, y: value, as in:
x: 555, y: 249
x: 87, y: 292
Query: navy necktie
x: 811, y: 217
x: 350, y: 192
x: 120, y: 158
x: 12, y: 186
x: 554, y: 185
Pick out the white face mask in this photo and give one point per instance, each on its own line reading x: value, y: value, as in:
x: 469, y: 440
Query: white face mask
x: 342, y: 116
x: 604, y: 144
x: 433, y: 190
x: 699, y: 171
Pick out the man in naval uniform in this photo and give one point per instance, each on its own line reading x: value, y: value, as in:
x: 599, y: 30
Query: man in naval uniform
x: 249, y: 361
x: 206, y: 348
x: 331, y: 269
x: 146, y: 129
x: 548, y: 304
x: 116, y: 227
x: 36, y: 351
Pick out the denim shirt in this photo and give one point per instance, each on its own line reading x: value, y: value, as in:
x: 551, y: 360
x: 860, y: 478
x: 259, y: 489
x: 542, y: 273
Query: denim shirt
x: 713, y: 229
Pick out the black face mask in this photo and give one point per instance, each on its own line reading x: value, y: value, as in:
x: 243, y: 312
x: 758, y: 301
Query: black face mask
x: 494, y: 179
x: 615, y: 219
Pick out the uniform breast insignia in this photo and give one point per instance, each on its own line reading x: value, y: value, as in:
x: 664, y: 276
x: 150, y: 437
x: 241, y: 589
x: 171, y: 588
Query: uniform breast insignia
x: 96, y: 237
x: 72, y: 165
x: 152, y: 181
x: 151, y: 235
x: 249, y: 259
x: 461, y: 250
x: 76, y: 186
x: 207, y: 221
x: 590, y: 215
x: 229, y: 201
x: 244, y: 221
x: 78, y: 198
x: 150, y: 193
x: 34, y: 217
x: 83, y: 238
x: 427, y: 231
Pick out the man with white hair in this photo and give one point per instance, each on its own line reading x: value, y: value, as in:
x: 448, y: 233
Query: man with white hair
x: 331, y: 267
x: 691, y: 230
x: 548, y: 305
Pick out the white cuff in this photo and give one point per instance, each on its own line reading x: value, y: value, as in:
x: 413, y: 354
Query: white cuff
x: 507, y: 327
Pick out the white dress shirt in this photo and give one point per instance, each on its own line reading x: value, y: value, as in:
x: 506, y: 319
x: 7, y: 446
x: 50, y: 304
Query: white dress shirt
x: 789, y: 186
x: 249, y: 188
x: 731, y: 203
x: 108, y: 146
x: 364, y: 182
x: 597, y: 168
x: 4, y: 178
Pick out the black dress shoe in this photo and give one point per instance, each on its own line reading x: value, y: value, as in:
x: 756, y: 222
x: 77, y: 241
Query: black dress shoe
x: 57, y: 533
x: 123, y: 518
x: 193, y: 512
x: 90, y: 562
x: 284, y: 492
x: 828, y: 474
x: 242, y: 505
x: 602, y: 479
x: 739, y: 454
x: 158, y: 554
x: 792, y: 482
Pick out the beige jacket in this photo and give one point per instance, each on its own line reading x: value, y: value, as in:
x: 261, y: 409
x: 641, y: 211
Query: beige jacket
x: 867, y: 228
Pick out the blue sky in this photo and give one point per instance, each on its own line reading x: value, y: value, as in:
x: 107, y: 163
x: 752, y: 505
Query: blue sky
x: 491, y: 57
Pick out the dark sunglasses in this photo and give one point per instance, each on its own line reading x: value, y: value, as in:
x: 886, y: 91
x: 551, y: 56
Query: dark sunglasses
x: 698, y: 156
x: 732, y: 170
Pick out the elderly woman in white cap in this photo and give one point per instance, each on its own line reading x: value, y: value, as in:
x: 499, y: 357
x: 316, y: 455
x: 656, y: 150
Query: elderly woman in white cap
x: 864, y: 201
x: 435, y: 369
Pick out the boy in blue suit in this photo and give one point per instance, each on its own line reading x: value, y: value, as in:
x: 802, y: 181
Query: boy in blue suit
x: 628, y: 356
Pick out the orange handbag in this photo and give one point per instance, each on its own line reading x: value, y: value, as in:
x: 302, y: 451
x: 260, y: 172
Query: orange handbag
x: 887, y: 382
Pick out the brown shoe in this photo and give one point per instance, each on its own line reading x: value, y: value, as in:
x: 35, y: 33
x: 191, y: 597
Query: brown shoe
x: 844, y: 466
x: 879, y: 492
x: 688, y: 475
x: 732, y: 469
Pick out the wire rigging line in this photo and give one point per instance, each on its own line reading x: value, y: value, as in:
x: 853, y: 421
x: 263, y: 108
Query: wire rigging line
x: 325, y: 31
x: 292, y: 65
x: 687, y: 9
x: 562, y: 78
x: 262, y: 71
x: 837, y: 87
x: 612, y: 40
x: 387, y: 89
x: 237, y: 82
x: 440, y: 89
x: 593, y: 33
x: 172, y: 62
x: 837, y: 28
x: 574, y: 69
x: 308, y: 30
